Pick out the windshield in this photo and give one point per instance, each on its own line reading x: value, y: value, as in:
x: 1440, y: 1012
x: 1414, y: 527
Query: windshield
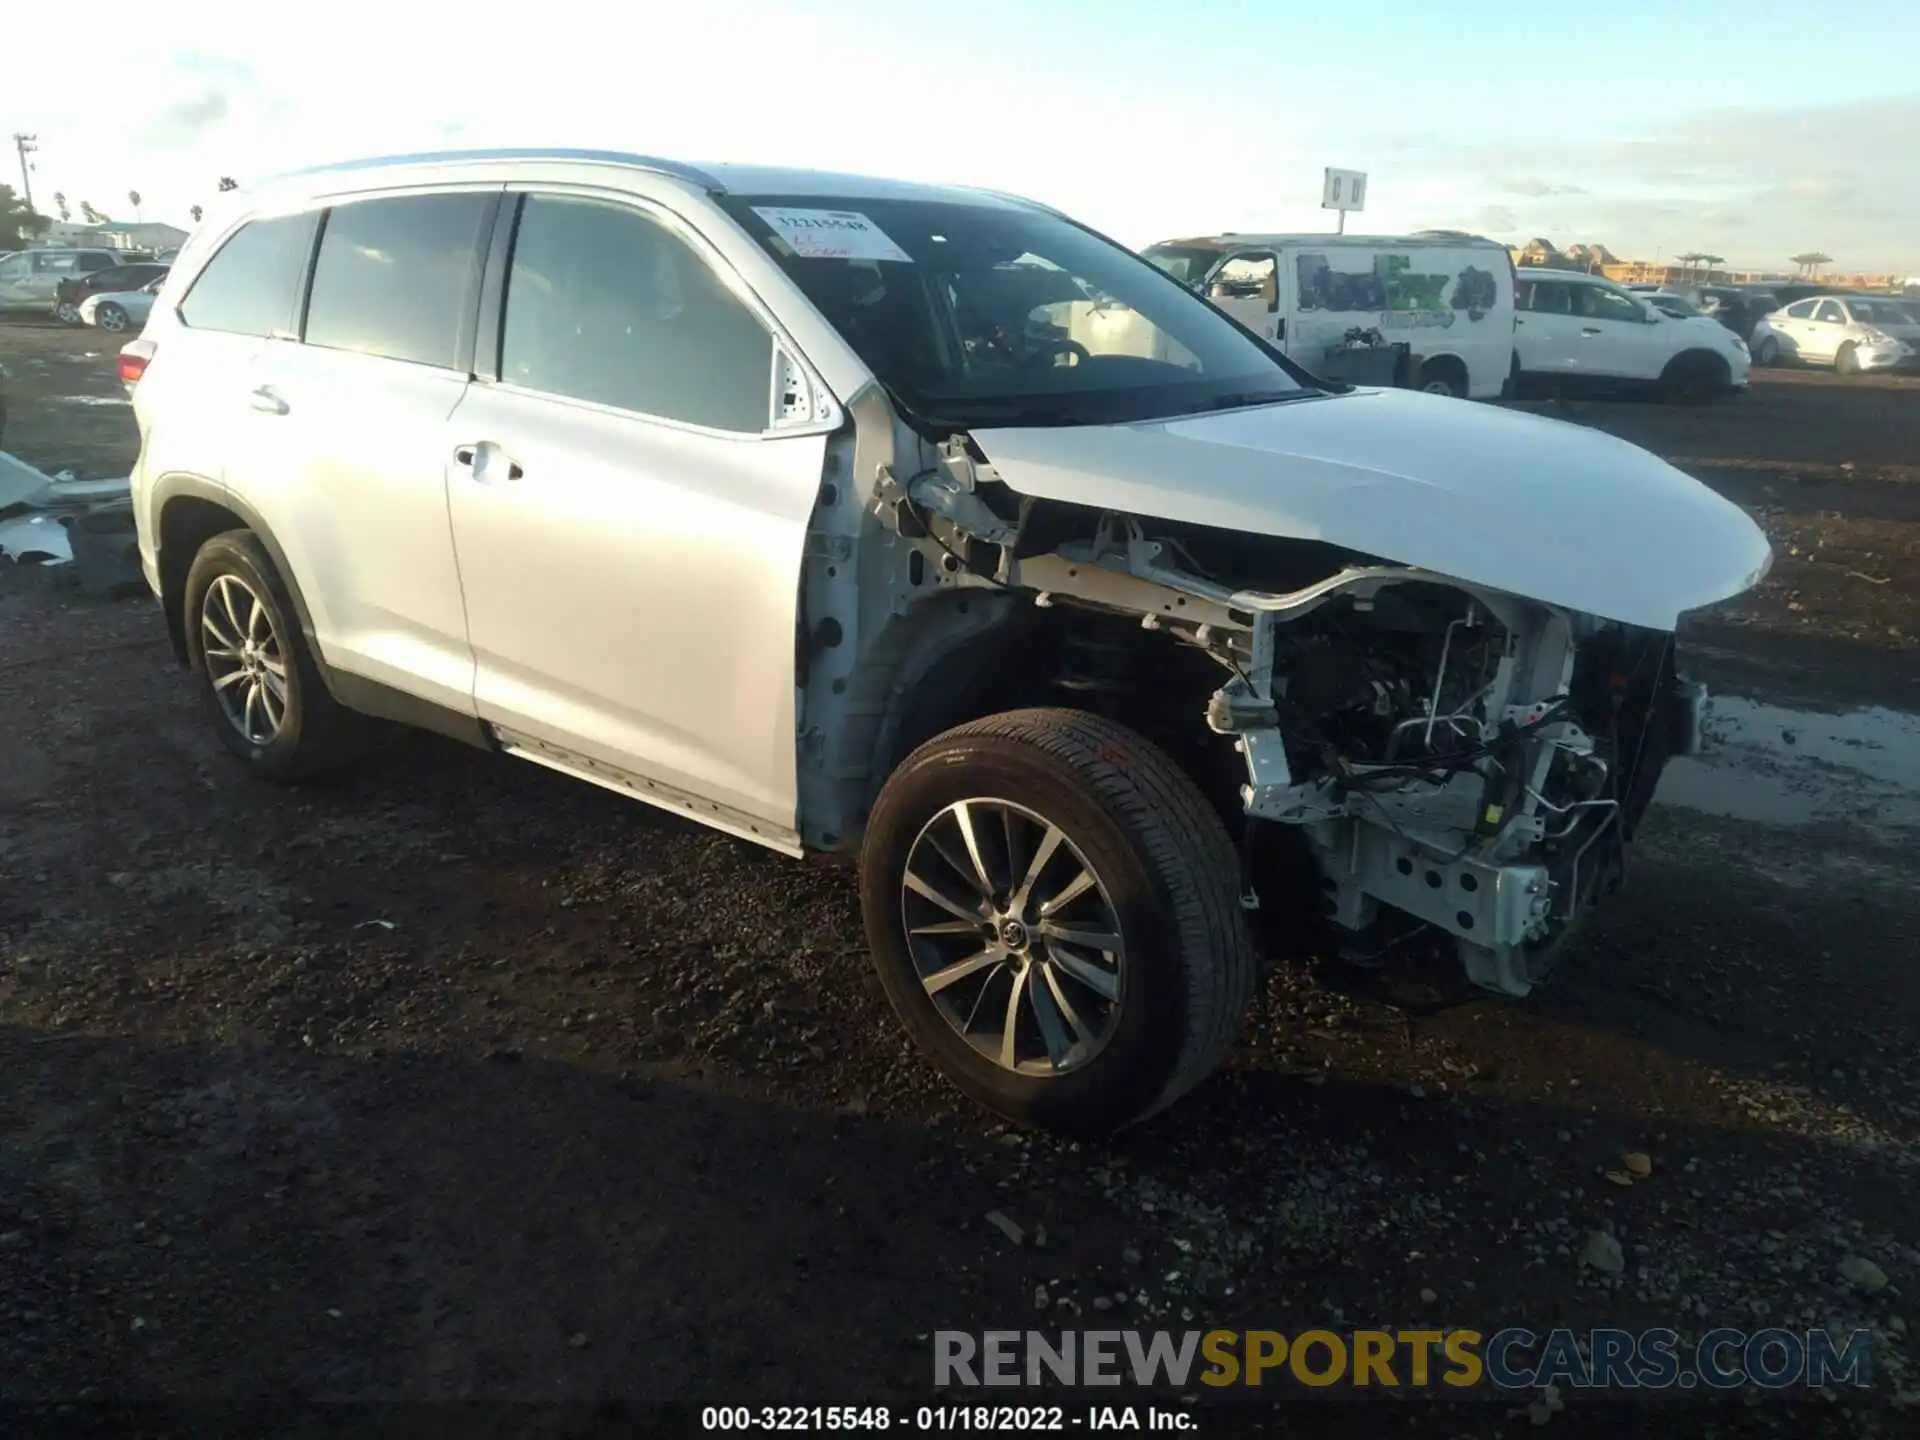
x: 983, y: 314
x: 1186, y: 263
x: 1878, y: 312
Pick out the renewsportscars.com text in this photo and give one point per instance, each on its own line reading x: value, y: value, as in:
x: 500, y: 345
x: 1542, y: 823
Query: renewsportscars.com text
x: 1511, y: 1358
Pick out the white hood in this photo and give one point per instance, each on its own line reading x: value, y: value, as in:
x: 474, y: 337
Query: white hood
x: 1538, y: 508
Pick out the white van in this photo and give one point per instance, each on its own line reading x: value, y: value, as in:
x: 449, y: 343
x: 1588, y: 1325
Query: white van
x: 1445, y: 295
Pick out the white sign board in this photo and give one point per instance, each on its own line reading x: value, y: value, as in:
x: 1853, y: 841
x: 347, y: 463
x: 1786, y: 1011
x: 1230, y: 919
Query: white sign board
x: 1344, y: 190
x: 831, y: 234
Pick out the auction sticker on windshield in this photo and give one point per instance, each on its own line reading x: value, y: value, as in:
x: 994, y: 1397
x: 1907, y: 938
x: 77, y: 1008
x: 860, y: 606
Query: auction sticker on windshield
x: 831, y: 234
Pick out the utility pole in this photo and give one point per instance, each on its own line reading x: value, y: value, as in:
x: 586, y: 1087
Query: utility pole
x: 25, y: 145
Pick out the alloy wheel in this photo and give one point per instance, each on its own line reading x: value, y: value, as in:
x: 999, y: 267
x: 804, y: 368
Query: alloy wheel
x: 112, y: 317
x: 1014, y: 936
x: 246, y: 664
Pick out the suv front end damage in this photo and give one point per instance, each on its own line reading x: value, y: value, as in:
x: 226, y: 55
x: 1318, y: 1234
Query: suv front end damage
x: 1454, y: 757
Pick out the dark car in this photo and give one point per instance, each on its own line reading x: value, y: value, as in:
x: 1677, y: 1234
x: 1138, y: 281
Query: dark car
x: 1794, y: 292
x: 76, y: 288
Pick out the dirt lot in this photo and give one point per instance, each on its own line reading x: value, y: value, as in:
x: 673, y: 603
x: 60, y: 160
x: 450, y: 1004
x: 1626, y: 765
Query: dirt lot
x: 459, y: 1080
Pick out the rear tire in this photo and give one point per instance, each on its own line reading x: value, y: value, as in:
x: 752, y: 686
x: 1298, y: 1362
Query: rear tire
x: 1847, y: 362
x: 67, y: 313
x: 1444, y: 375
x: 1768, y: 352
x: 1163, y: 875
x: 111, y: 318
x: 256, y: 674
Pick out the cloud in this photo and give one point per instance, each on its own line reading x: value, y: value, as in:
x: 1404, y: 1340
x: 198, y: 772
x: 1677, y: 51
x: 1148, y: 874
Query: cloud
x: 1755, y: 183
x: 1533, y: 185
x: 182, y: 123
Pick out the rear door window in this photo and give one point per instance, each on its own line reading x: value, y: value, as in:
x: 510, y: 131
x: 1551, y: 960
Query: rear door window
x: 252, y: 286
x: 399, y: 277
x: 1829, y: 313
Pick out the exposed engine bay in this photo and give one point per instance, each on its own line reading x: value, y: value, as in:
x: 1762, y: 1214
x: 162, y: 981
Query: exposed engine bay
x: 1456, y: 760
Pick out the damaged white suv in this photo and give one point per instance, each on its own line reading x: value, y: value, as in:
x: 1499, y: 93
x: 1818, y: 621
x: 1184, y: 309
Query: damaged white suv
x: 923, y: 526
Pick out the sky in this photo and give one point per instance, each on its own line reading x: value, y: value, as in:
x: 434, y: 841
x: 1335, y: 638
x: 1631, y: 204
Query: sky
x: 1652, y: 128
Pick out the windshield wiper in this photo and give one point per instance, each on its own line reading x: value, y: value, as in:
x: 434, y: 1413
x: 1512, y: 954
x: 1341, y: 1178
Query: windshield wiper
x: 1246, y: 398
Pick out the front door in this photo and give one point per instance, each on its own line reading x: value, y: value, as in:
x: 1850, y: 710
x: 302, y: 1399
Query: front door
x: 1247, y: 287
x: 629, y: 528
x: 1617, y: 338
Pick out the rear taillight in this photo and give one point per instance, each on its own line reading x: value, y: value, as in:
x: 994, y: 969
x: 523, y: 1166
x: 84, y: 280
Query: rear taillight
x: 134, y: 357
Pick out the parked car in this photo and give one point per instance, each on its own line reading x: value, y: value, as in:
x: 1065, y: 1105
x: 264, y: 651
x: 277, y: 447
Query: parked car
x: 1852, y: 333
x: 74, y: 289
x: 1676, y: 306
x: 1446, y: 295
x: 1581, y: 330
x: 776, y: 499
x: 30, y: 279
x: 119, y: 310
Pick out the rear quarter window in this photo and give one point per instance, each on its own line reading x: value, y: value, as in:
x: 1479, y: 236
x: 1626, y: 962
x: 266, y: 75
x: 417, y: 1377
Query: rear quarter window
x: 252, y: 285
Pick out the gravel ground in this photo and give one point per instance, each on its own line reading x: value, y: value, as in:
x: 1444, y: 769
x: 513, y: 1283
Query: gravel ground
x: 455, y: 1079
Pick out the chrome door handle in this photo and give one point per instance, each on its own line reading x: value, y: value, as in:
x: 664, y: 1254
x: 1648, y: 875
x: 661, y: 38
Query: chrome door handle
x: 267, y: 402
x: 469, y: 457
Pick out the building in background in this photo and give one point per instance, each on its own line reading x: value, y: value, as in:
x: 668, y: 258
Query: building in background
x: 151, y: 235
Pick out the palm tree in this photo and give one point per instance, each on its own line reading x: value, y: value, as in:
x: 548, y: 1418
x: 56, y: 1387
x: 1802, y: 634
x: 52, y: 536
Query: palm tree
x: 133, y: 199
x: 1710, y: 261
x: 91, y: 215
x: 1808, y: 261
x: 60, y: 204
x: 1690, y: 259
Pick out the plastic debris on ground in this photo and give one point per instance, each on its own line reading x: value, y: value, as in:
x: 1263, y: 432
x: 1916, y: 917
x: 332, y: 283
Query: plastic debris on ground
x: 42, y: 515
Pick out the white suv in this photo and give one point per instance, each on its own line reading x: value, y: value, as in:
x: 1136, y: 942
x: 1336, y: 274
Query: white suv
x: 854, y: 517
x: 1576, y: 330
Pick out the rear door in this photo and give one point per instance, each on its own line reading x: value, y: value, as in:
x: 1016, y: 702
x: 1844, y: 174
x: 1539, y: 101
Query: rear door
x: 365, y: 406
x: 1546, y: 335
x: 199, y: 415
x: 1821, y: 335
x: 630, y: 521
x: 1794, y: 327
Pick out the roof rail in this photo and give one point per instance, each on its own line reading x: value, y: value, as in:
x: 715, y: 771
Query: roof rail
x: 652, y: 163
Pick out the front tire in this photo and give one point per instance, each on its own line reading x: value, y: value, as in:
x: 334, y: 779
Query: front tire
x: 1053, y: 909
x: 111, y: 318
x: 1847, y: 362
x: 1768, y: 353
x: 67, y: 313
x: 256, y: 674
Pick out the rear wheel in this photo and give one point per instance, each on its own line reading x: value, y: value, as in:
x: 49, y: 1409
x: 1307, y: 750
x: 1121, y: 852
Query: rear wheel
x: 1847, y: 362
x: 1767, y: 352
x: 1443, y: 375
x: 255, y: 671
x: 1052, y: 906
x: 111, y: 317
x: 67, y: 313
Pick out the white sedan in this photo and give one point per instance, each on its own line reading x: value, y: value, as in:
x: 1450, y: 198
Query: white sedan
x: 1852, y: 333
x: 118, y: 310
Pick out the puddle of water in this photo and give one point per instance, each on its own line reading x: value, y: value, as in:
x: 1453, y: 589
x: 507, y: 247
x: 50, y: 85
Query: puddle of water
x: 1778, y: 766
